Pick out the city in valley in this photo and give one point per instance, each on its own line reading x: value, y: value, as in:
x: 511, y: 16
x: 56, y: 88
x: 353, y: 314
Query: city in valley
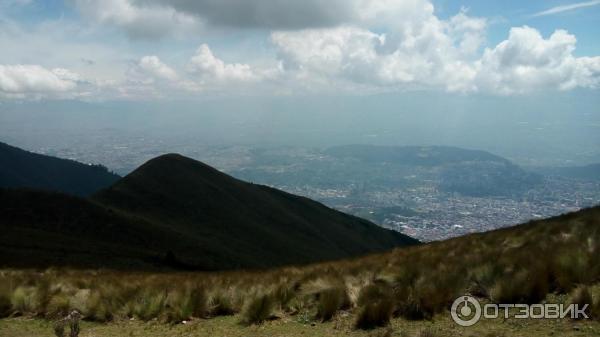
x: 408, y: 198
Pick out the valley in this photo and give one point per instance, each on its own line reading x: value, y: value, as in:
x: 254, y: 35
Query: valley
x: 408, y: 199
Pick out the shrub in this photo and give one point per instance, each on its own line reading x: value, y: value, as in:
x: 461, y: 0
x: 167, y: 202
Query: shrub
x: 149, y: 305
x: 5, y: 306
x: 182, y: 305
x: 283, y: 294
x: 596, y: 309
x: 23, y: 299
x: 375, y: 307
x: 220, y: 304
x: 58, y: 306
x: 581, y: 296
x: 330, y: 301
x: 409, y: 307
x: 197, y: 301
x: 482, y: 278
x: 97, y: 308
x: 526, y: 286
x: 572, y: 266
x: 435, y: 293
x: 376, y: 314
x: 257, y: 309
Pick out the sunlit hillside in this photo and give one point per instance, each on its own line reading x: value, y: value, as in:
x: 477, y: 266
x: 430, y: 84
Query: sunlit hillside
x: 553, y: 260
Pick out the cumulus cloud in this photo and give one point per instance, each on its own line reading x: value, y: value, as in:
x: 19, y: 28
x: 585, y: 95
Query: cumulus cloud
x: 153, y: 66
x: 208, y: 67
x: 23, y: 80
x: 423, y: 51
x: 438, y: 54
x: 526, y: 61
x: 364, y: 45
x: 343, y: 52
x: 144, y: 22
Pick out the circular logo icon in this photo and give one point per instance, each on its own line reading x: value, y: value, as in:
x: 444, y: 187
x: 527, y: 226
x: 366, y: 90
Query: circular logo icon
x: 465, y: 311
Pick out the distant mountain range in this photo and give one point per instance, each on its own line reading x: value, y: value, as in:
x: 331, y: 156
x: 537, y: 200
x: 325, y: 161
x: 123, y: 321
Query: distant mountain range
x: 468, y: 172
x: 412, y: 155
x: 20, y: 168
x: 178, y: 213
x: 377, y: 168
x: 588, y: 172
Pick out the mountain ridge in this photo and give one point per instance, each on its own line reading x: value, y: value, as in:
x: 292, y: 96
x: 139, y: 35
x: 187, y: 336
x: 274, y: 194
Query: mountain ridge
x: 180, y: 212
x: 20, y: 168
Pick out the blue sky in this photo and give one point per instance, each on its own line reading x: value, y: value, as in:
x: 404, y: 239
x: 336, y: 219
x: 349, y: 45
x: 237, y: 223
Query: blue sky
x: 518, y: 78
x: 581, y: 22
x: 151, y: 49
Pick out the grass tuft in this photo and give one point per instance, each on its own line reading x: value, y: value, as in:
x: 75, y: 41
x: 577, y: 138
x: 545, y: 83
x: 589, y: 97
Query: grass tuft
x: 582, y: 296
x: 257, y: 310
x: 375, y: 307
x: 330, y: 301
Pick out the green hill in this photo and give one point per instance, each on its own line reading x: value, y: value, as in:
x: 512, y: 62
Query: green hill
x: 44, y: 228
x: 412, y: 155
x: 20, y: 168
x: 178, y: 213
x: 468, y: 172
x: 248, y: 225
x: 588, y: 172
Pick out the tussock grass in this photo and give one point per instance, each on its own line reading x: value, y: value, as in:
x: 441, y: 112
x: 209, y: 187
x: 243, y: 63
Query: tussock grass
x: 330, y: 301
x: 258, y: 309
x: 58, y: 306
x: 5, y: 306
x: 532, y: 263
x: 582, y: 296
x: 223, y: 303
x: 376, y: 306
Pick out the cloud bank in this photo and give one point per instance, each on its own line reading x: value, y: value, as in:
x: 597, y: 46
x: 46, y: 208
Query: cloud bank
x: 317, y: 46
x: 34, y: 80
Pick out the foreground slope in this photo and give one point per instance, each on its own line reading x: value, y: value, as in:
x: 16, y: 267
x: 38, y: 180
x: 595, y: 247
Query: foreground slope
x: 20, y: 168
x: 409, y: 291
x: 239, y: 224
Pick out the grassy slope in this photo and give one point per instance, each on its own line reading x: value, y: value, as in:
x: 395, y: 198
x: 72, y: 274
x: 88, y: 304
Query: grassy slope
x: 542, y: 261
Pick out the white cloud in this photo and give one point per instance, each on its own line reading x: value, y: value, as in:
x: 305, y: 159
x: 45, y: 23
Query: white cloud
x: 343, y: 52
x: 351, y: 45
x: 153, y: 66
x: 434, y: 54
x: 210, y: 68
x: 422, y: 51
x: 527, y: 62
x: 22, y: 80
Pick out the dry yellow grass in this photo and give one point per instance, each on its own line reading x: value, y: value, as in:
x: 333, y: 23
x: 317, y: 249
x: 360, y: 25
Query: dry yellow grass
x: 542, y: 261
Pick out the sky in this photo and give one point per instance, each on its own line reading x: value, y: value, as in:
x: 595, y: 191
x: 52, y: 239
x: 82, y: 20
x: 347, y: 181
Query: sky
x: 518, y: 78
x: 157, y: 49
